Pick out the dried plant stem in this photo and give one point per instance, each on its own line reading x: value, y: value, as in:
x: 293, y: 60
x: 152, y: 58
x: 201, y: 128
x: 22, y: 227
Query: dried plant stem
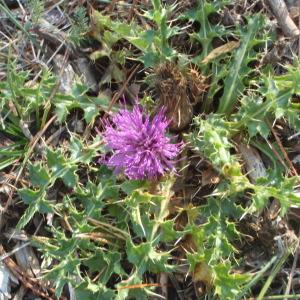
x: 289, y: 284
x: 35, y: 285
x: 294, y: 171
x: 121, y: 91
x: 281, y: 13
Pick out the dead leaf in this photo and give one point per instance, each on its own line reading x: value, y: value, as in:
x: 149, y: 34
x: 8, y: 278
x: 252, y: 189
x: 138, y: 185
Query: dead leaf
x: 220, y: 50
x: 294, y: 12
x: 203, y: 273
x: 253, y: 163
x: 66, y: 77
x: 27, y: 260
x: 273, y: 210
x: 210, y: 176
x: 5, y: 282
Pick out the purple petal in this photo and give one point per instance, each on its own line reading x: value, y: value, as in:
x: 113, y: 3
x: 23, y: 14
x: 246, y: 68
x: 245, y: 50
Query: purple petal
x: 139, y: 145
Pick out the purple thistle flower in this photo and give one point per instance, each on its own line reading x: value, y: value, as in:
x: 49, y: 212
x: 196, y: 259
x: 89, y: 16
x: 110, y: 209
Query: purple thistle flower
x: 139, y: 144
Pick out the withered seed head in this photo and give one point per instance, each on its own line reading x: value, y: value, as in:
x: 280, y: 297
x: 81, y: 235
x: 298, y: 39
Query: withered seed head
x: 171, y: 86
x: 198, y: 85
x: 178, y: 92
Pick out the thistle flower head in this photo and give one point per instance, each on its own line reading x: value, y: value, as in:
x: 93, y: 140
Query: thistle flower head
x: 140, y: 147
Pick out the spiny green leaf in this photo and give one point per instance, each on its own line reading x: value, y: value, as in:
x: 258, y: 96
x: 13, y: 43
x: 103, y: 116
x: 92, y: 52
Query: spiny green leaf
x: 208, y: 31
x: 30, y: 196
x: 38, y: 175
x: 131, y: 185
x: 108, y: 263
x: 28, y: 215
x: 145, y: 257
x: 92, y: 291
x: 233, y: 85
x: 37, y: 203
x: 62, y: 168
x: 78, y: 99
x: 250, y: 106
x: 227, y: 283
x: 278, y: 91
x: 125, y: 292
x: 281, y: 189
x: 168, y: 233
x: 81, y: 153
x: 92, y: 196
x: 211, y: 138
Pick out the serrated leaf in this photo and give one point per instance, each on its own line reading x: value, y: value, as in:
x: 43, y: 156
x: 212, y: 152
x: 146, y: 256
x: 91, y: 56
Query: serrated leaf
x: 126, y: 292
x: 61, y: 111
x: 37, y: 203
x: 137, y: 254
x: 211, y: 138
x: 260, y: 198
x: 234, y: 85
x: 70, y: 178
x: 30, y: 196
x: 28, y: 215
x: 91, y: 291
x: 227, y: 284
x: 139, y: 224
x: 207, y: 31
x: 38, y: 175
x: 131, y: 185
x: 77, y: 99
x: 62, y: 168
x: 150, y: 59
x: 90, y: 111
x: 108, y: 263
x: 92, y: 196
x: 252, y: 116
x: 168, y: 233
x: 81, y: 153
x: 145, y: 257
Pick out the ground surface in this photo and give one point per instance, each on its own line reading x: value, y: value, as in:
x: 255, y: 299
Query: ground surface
x: 223, y: 223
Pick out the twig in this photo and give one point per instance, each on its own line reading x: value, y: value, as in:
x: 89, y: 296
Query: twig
x: 6, y: 255
x: 120, y: 92
x: 110, y: 228
x: 279, y: 157
x: 288, y: 287
x: 132, y: 10
x: 55, y: 135
x: 281, y: 13
x: 112, y: 5
x: 283, y: 150
x: 35, y: 285
x: 298, y: 133
x: 163, y: 280
x: 179, y: 291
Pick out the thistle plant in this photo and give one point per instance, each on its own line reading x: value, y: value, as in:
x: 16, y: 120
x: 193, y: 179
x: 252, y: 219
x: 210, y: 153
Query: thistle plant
x: 153, y: 43
x: 109, y: 236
